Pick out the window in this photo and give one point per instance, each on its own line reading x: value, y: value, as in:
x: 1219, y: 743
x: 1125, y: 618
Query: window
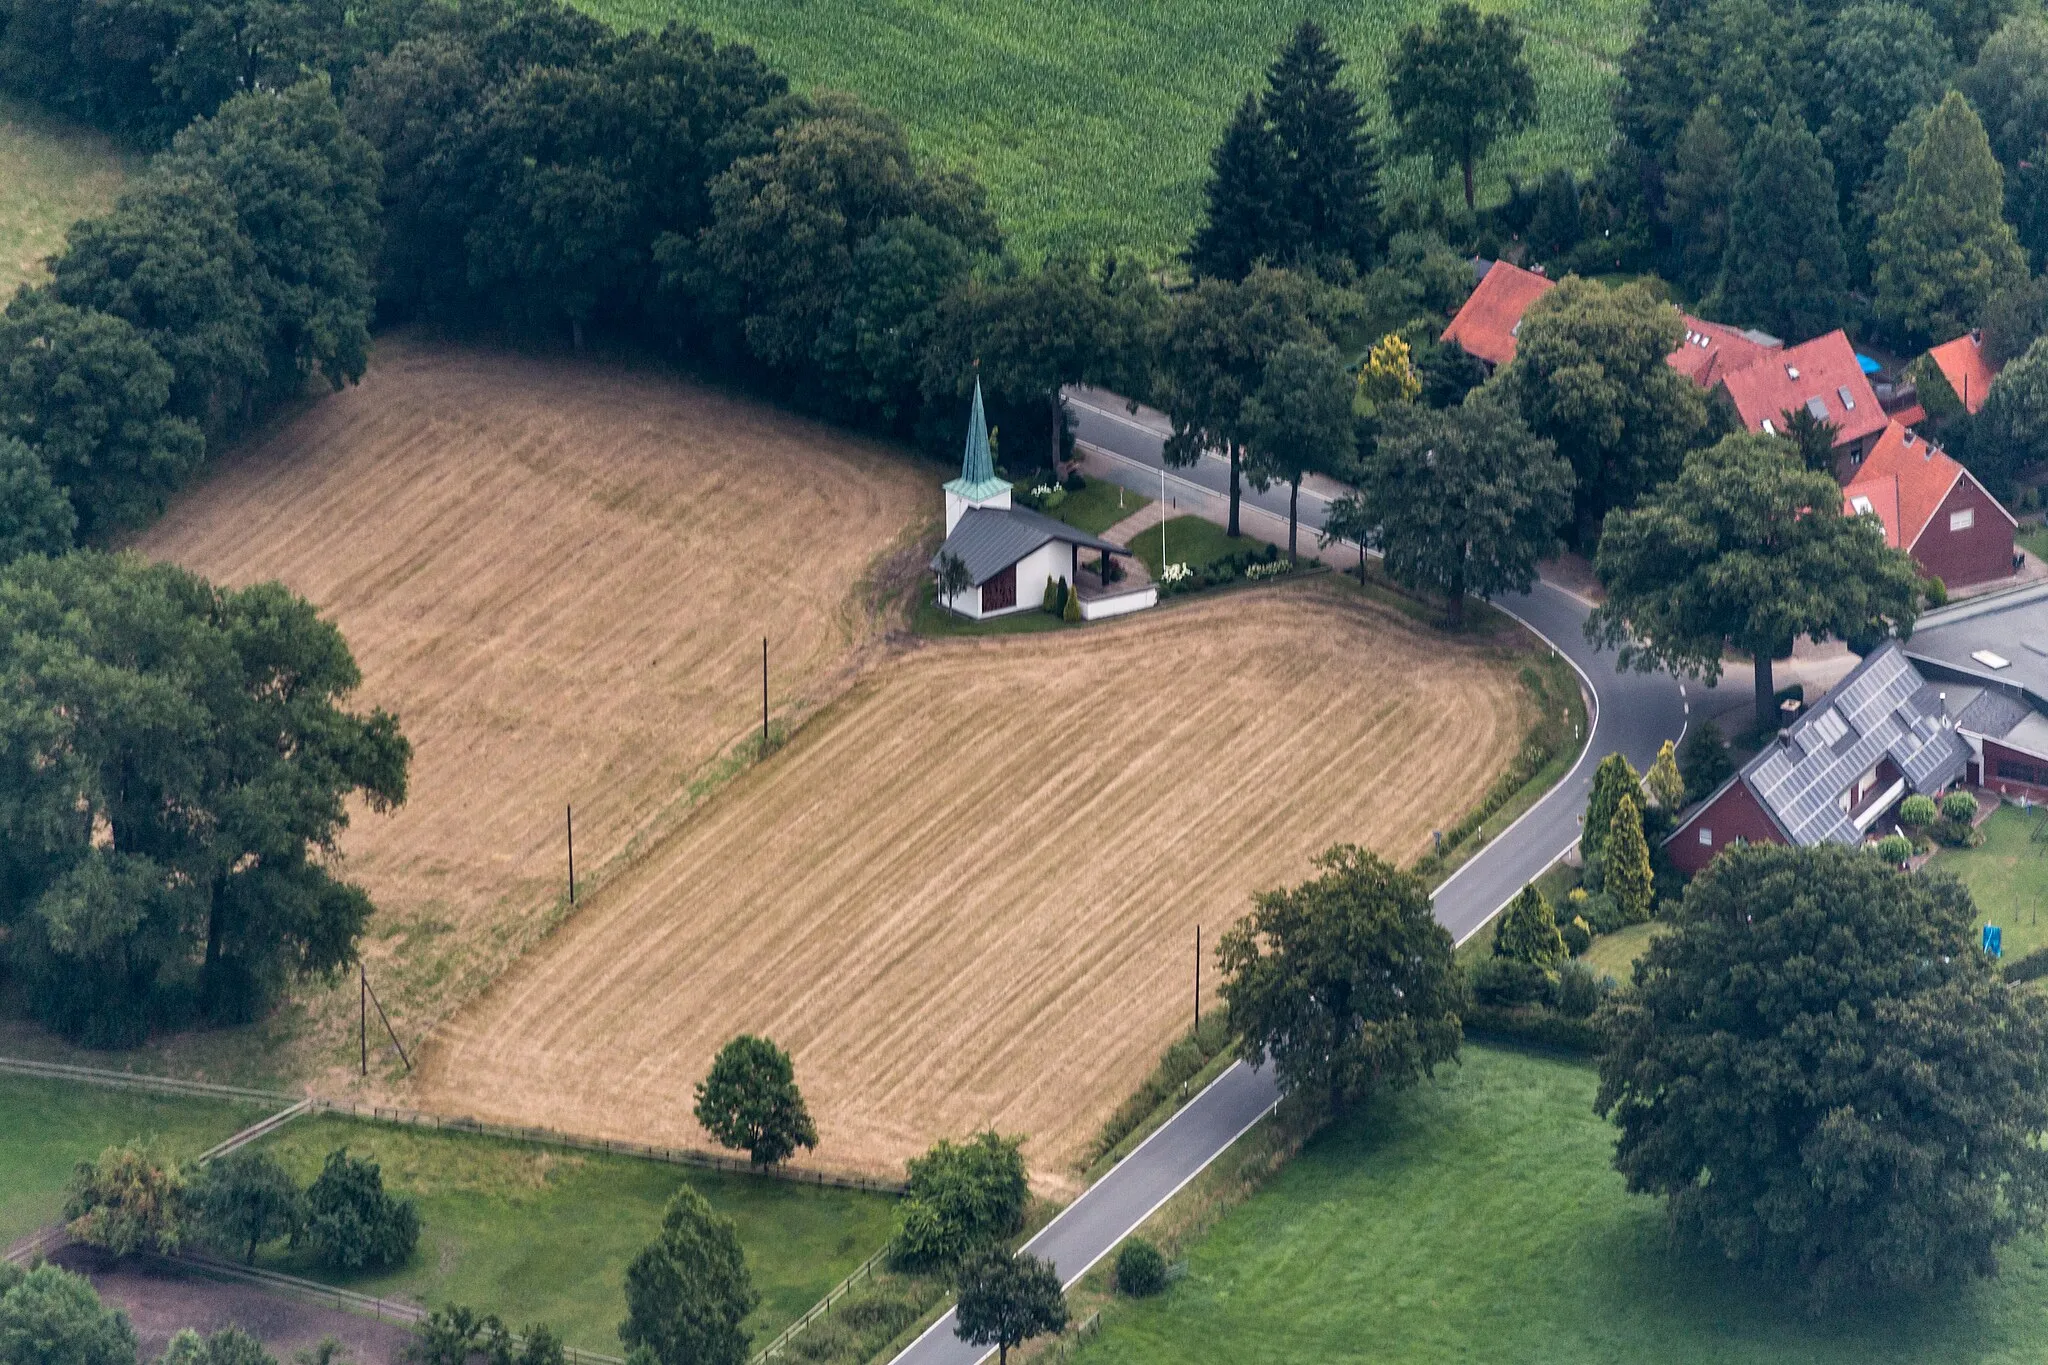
x: 1862, y: 505
x: 1848, y: 402
x: 1817, y: 408
x: 1706, y: 837
x: 1963, y: 520
x: 2014, y: 771
x: 1769, y: 430
x: 1000, y: 592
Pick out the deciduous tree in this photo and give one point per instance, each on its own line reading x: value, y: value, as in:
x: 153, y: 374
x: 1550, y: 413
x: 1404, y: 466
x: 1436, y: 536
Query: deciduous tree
x: 1464, y: 500
x: 35, y: 516
x: 1005, y: 1300
x: 131, y: 1199
x: 1945, y: 247
x: 243, y: 1200
x: 229, y: 1346
x: 1822, y: 1075
x: 1346, y: 983
x: 52, y: 1317
x: 350, y: 1222
x: 750, y: 1101
x: 2010, y: 433
x: 960, y: 1196
x: 1744, y: 548
x: 688, y: 1294
x: 1299, y: 422
x: 1884, y: 60
x: 1785, y: 270
x: 1590, y: 375
x: 1457, y: 87
x: 2008, y: 87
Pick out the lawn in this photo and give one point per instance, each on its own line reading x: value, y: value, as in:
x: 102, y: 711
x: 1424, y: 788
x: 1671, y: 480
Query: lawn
x: 537, y: 1234
x: 1615, y: 954
x: 1091, y: 121
x: 1098, y: 506
x: 52, y: 174
x: 1191, y: 540
x: 2007, y: 877
x: 2034, y: 540
x: 50, y: 1126
x: 1478, y: 1219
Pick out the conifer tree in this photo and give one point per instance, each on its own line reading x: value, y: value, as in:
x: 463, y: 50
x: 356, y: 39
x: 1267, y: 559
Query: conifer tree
x: 1785, y: 270
x: 1245, y: 223
x: 1328, y: 160
x: 1528, y: 930
x: 1697, y: 194
x: 1945, y: 248
x: 1626, y: 860
x: 1663, y: 781
x: 1612, y: 780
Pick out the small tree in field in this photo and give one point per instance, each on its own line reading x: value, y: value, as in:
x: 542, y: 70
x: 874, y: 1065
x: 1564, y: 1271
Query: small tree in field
x: 244, y: 1200
x: 1006, y: 1300
x: 750, y: 1101
x: 130, y: 1200
x: 1627, y: 862
x: 350, y: 1222
x: 1346, y: 982
x: 1528, y: 930
x: 688, y: 1293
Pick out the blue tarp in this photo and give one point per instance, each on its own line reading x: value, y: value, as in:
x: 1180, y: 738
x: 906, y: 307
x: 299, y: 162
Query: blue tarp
x: 1867, y: 365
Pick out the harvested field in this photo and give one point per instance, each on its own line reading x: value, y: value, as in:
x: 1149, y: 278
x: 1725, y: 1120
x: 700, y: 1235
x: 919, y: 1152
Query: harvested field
x: 558, y: 575
x: 966, y: 894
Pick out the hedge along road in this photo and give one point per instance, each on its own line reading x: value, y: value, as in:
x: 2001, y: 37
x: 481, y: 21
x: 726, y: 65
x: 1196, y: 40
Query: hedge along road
x: 1633, y: 713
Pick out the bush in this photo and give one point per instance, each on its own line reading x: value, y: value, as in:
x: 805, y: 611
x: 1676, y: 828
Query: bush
x: 1893, y: 848
x: 1074, y: 483
x: 1577, y: 992
x: 2030, y: 967
x: 1536, y: 1027
x: 1703, y: 761
x: 1578, y: 935
x: 1071, y: 611
x: 1955, y: 833
x: 823, y: 1341
x: 1140, y: 1269
x: 1917, y: 811
x: 350, y: 1223
x: 883, y: 1315
x: 1507, y: 982
x: 52, y: 1317
x: 1959, y: 806
x: 244, y: 1200
x: 960, y: 1197
x: 1600, y: 912
x: 130, y: 1200
x: 1050, y: 603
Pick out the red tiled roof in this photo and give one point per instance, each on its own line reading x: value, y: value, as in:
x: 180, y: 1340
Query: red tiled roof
x: 1823, y: 370
x: 1712, y: 350
x: 1487, y: 324
x: 1912, y: 415
x: 1963, y: 365
x: 1903, y: 480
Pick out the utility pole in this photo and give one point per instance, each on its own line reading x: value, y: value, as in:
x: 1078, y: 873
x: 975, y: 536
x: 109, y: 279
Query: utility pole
x: 764, y: 696
x: 571, y: 819
x: 363, y: 1015
x: 1198, y: 982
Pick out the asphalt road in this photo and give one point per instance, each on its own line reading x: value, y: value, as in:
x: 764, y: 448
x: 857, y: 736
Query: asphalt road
x: 1632, y: 712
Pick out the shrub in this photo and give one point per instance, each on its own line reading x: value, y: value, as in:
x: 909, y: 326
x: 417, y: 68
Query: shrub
x: 1578, y: 935
x: 1536, y: 1027
x: 823, y: 1340
x: 1050, y: 603
x: 1074, y: 483
x: 960, y: 1197
x: 1893, y: 848
x: 350, y: 1223
x: 1507, y: 982
x: 1071, y: 610
x: 1955, y: 833
x: 1528, y: 930
x: 883, y: 1315
x: 1578, y: 991
x: 1917, y: 811
x: 1178, y: 1065
x: 1959, y: 806
x: 1601, y: 913
x: 130, y: 1200
x: 1140, y: 1269
x: 1704, y: 761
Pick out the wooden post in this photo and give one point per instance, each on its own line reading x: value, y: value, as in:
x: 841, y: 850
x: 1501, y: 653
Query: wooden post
x: 363, y: 1016
x: 1198, y: 982
x: 764, y: 696
x: 570, y: 818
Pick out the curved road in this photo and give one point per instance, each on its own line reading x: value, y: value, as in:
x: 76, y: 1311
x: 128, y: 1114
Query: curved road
x: 1633, y: 713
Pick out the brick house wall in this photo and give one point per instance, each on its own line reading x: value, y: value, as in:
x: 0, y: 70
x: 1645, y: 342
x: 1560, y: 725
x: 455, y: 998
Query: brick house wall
x: 2013, y: 772
x: 1980, y: 552
x: 1734, y: 814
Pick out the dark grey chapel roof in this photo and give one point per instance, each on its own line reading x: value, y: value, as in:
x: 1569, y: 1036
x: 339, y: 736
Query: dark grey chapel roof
x: 991, y: 539
x: 1884, y: 708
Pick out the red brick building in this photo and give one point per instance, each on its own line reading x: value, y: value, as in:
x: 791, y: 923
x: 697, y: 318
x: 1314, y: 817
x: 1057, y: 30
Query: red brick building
x: 1933, y: 509
x: 1492, y: 316
x: 1823, y: 378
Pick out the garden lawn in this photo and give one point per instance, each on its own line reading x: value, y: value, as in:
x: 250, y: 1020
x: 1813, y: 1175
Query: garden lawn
x: 1615, y: 954
x: 541, y: 1234
x: 1191, y: 540
x: 1098, y: 506
x: 2007, y: 877
x: 47, y: 1127
x: 1091, y: 121
x: 52, y: 173
x: 1477, y: 1218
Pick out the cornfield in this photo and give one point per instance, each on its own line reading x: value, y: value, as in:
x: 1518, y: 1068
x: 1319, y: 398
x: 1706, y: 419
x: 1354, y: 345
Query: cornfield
x: 1091, y: 121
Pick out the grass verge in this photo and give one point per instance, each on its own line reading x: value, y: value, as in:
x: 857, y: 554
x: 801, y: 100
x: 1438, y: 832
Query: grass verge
x: 48, y: 1126
x: 536, y: 1234
x: 1477, y: 1218
x: 2007, y: 876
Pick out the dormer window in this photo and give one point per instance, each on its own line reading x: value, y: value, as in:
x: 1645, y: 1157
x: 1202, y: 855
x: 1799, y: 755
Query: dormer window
x: 1769, y: 430
x: 1791, y: 371
x: 1862, y: 505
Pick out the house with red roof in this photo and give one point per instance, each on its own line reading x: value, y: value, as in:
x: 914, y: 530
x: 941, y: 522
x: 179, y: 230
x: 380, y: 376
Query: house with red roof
x: 1711, y: 351
x: 1822, y: 377
x: 1932, y: 508
x: 1963, y: 365
x: 1492, y: 316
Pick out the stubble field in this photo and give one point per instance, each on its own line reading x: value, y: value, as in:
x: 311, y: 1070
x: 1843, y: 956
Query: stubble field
x: 966, y: 894
x: 558, y: 575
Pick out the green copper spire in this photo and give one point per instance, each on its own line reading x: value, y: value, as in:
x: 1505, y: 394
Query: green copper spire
x: 977, y: 467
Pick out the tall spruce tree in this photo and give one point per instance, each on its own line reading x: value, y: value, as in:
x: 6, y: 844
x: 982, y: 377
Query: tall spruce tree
x: 1528, y: 930
x: 1884, y: 60
x: 1697, y: 194
x: 1329, y: 162
x: 1785, y: 270
x: 1614, y: 779
x: 1945, y: 248
x: 1246, y: 222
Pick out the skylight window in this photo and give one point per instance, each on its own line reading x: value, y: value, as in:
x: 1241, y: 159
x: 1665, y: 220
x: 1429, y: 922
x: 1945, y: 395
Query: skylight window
x: 1791, y: 371
x: 1818, y: 407
x: 1848, y: 403
x: 1862, y: 505
x: 1990, y: 660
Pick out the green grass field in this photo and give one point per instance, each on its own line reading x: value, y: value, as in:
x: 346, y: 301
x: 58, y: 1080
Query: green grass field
x: 51, y: 174
x: 2007, y: 877
x: 1615, y: 954
x: 1098, y: 506
x: 47, y: 1127
x: 537, y: 1234
x: 1091, y: 121
x: 1190, y: 540
x: 1478, y: 1219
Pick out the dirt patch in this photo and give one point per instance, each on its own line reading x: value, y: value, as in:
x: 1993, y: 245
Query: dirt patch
x: 967, y: 893
x: 161, y: 1301
x: 558, y: 574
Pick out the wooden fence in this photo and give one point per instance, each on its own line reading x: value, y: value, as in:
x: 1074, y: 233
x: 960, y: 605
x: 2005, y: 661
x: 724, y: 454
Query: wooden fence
x: 135, y: 1080
x: 864, y: 1271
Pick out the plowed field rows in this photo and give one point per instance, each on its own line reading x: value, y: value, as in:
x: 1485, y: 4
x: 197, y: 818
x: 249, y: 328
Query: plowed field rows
x: 558, y: 575
x: 966, y: 894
